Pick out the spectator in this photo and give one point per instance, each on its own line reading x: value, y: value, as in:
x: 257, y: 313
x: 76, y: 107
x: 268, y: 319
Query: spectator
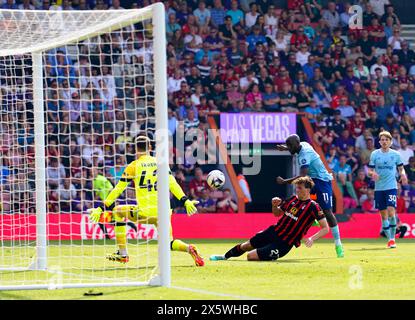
x: 236, y: 15
x: 216, y: 43
x: 400, y: 108
x: 410, y: 170
x: 361, y: 71
x: 369, y: 204
x: 343, y: 168
x: 407, y: 128
x: 253, y: 95
x: 405, y: 151
x: 252, y: 15
x: 66, y: 193
x: 361, y: 185
x: 332, y: 158
x: 352, y: 159
x: 203, y: 17
x: 331, y: 16
x: 302, y: 55
x: 356, y: 126
x: 343, y: 142
x: 366, y: 152
x: 396, y: 40
x: 322, y: 137
x: 197, y: 184
x: 206, y: 203
x: 217, y: 13
x: 288, y: 100
x: 55, y: 173
x: 346, y: 111
x: 373, y: 124
x: 313, y: 112
x: 349, y: 195
x: 172, y: 26
x: 336, y: 124
x: 226, y: 204
x: 190, y: 120
x: 185, y: 108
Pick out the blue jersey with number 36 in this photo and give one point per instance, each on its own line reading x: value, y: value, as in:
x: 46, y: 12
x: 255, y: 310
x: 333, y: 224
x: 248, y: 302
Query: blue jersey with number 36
x: 385, y: 164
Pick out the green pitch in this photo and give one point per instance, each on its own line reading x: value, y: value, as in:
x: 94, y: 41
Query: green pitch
x: 369, y: 271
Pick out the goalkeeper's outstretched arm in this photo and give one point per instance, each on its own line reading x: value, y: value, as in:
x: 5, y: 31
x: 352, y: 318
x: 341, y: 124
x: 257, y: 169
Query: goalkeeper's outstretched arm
x: 190, y: 205
x: 116, y: 192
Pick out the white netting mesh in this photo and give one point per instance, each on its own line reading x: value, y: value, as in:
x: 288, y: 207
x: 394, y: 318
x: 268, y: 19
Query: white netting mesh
x: 98, y: 96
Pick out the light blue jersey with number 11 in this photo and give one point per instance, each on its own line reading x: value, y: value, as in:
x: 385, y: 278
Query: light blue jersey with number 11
x: 385, y: 165
x: 309, y: 158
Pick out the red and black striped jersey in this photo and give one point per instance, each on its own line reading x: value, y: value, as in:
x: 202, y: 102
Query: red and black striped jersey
x: 297, y: 219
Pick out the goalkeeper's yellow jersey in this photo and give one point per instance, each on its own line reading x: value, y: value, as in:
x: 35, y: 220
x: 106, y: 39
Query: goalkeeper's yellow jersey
x: 143, y: 172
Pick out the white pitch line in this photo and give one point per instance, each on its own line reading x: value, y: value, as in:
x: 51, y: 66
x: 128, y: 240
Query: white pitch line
x: 216, y: 293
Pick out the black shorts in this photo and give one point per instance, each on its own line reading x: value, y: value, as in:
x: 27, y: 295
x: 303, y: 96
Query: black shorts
x: 269, y: 246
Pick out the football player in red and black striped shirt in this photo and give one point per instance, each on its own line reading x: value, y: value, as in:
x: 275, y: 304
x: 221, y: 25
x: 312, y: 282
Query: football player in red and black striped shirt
x: 297, y: 215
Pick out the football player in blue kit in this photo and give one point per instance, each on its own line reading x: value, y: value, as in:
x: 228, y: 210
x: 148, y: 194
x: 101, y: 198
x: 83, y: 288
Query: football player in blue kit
x: 382, y: 169
x: 311, y: 165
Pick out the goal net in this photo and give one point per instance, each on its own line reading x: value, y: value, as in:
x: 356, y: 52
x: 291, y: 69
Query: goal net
x: 76, y: 89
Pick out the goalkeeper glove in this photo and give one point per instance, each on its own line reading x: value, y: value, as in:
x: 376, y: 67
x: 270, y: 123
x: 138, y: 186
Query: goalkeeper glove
x: 95, y: 214
x: 190, y: 205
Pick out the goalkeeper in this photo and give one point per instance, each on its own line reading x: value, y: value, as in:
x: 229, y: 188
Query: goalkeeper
x: 143, y: 171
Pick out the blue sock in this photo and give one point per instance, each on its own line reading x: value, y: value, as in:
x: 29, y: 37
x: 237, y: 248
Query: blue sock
x: 392, y: 227
x: 386, y: 228
x: 336, y: 235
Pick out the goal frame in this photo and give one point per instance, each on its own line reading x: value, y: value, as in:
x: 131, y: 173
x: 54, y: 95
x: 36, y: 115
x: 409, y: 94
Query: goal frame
x: 157, y: 13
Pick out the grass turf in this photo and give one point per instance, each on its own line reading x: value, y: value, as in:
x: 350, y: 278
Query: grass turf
x: 368, y: 271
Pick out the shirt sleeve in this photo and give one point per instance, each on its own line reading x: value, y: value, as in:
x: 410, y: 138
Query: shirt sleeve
x: 175, y: 188
x: 318, y: 213
x: 129, y: 172
x: 372, y: 160
x: 399, y: 161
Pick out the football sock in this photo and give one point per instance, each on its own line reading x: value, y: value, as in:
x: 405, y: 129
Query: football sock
x: 236, y: 251
x: 178, y: 245
x: 121, y: 237
x: 336, y: 235
x: 386, y: 229
x: 392, y: 227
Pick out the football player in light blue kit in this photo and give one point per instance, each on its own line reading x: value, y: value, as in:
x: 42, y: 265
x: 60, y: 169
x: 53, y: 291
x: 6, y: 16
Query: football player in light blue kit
x: 382, y: 169
x: 312, y: 166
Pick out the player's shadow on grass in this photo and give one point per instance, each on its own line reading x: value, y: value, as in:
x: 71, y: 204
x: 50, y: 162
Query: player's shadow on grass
x: 304, y: 260
x: 11, y: 296
x: 370, y: 249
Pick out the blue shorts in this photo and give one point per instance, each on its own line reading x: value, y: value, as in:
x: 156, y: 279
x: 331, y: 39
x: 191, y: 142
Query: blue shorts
x: 385, y: 198
x: 324, y: 192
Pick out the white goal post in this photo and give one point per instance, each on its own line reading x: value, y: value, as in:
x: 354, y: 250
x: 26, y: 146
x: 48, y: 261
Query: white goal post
x: 120, y: 89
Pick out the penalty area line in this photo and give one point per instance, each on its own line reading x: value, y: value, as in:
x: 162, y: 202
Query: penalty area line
x: 212, y: 293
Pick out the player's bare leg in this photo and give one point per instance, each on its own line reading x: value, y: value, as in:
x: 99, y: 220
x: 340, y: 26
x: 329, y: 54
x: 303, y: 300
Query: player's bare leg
x: 179, y: 245
x: 385, y: 224
x: 332, y: 222
x: 392, y: 227
x: 236, y: 251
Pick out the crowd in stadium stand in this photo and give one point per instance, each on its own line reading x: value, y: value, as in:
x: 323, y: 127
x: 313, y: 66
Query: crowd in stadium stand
x: 236, y: 56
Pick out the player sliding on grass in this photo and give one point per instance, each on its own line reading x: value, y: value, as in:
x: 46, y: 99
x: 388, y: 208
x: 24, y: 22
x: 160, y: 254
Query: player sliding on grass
x: 311, y: 165
x: 382, y: 168
x: 298, y: 214
x: 143, y: 171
